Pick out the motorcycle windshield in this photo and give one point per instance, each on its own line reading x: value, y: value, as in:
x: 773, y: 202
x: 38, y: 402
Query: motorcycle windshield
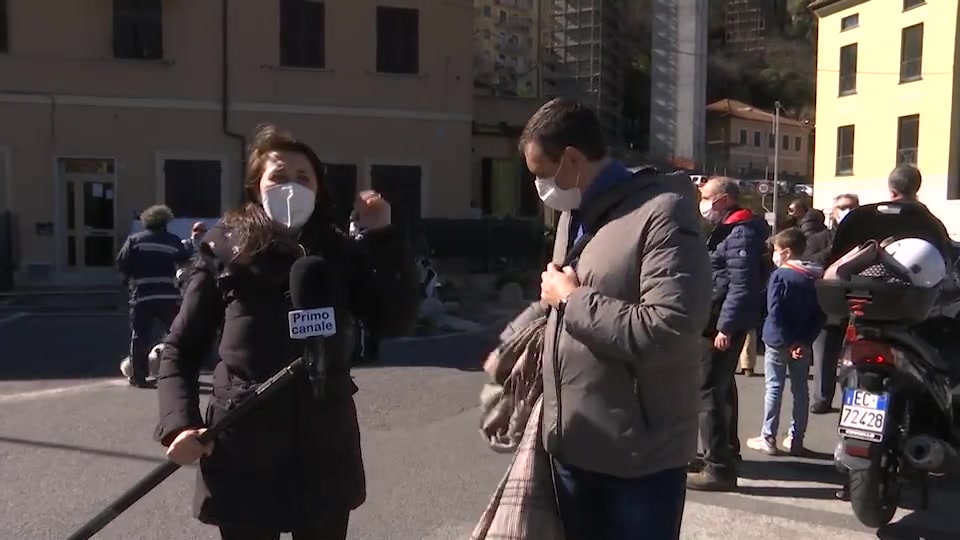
x: 889, y: 219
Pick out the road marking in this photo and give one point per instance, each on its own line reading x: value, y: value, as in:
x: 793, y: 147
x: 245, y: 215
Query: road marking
x: 15, y: 316
x: 60, y: 391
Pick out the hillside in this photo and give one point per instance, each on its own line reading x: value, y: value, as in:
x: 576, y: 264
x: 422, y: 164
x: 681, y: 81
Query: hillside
x: 786, y: 72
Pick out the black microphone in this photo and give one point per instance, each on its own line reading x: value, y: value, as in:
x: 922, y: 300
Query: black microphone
x: 313, y: 318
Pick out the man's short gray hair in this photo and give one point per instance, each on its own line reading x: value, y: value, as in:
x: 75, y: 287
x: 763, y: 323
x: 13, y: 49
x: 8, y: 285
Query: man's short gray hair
x: 725, y: 185
x: 156, y: 217
x: 852, y: 196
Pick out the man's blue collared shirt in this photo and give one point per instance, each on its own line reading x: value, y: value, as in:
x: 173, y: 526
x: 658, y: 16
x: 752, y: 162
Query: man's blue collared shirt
x: 609, y: 176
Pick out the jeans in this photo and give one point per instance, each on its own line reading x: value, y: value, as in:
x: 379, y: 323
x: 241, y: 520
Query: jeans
x: 826, y: 352
x: 595, y: 506
x: 718, y: 409
x: 778, y: 366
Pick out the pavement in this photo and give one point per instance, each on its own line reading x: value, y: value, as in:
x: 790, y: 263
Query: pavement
x: 73, y: 437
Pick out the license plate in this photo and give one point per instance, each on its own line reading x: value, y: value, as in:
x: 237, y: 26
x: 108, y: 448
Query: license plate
x: 863, y: 415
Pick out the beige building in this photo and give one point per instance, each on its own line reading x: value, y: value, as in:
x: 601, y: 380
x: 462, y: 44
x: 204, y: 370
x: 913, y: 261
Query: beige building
x: 741, y: 142
x: 506, y: 44
x: 111, y: 106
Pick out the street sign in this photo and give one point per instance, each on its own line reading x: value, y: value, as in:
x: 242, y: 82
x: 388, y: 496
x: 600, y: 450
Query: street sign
x: 763, y: 188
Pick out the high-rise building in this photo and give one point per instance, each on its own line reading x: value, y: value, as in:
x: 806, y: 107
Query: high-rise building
x: 748, y: 23
x: 507, y: 45
x: 583, y: 42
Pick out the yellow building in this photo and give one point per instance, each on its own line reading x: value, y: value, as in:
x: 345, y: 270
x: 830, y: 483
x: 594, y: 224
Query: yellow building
x: 887, y: 93
x: 506, y: 44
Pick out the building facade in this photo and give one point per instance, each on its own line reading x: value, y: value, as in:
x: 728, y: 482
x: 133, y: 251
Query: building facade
x: 507, y: 44
x: 112, y: 106
x: 584, y: 56
x: 887, y: 93
x: 741, y: 142
x: 747, y: 24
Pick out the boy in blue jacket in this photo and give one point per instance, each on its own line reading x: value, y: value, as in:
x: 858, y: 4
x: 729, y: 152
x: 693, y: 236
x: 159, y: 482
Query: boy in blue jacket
x: 794, y: 320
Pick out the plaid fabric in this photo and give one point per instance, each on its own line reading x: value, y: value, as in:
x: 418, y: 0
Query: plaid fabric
x: 506, y: 401
x: 883, y: 273
x: 524, y: 505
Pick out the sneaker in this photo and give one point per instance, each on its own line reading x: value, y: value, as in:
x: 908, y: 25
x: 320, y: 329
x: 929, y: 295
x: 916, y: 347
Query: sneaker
x: 763, y: 445
x: 710, y: 480
x: 794, y: 448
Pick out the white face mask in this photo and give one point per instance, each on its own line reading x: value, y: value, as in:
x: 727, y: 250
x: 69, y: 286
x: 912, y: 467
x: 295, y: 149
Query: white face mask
x: 777, y: 260
x: 842, y: 213
x: 562, y: 200
x: 706, y: 210
x: 290, y: 204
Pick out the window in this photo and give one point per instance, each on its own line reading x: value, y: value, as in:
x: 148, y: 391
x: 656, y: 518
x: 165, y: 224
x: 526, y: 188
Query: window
x: 771, y: 141
x: 786, y: 142
x: 911, y: 53
x: 845, y: 150
x: 192, y: 187
x: 400, y: 186
x: 743, y: 136
x: 797, y: 143
x: 398, y: 40
x: 486, y: 11
x: 850, y: 21
x: 302, y: 33
x: 756, y: 139
x: 908, y: 139
x: 910, y: 4
x: 848, y: 69
x: 138, y: 29
x: 4, y: 40
x: 342, y: 181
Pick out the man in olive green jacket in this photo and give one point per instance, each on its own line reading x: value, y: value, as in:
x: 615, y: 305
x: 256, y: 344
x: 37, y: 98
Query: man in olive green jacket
x: 621, y: 360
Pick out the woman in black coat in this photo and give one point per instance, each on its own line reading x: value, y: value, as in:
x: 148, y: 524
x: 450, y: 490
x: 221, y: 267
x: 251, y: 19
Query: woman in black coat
x: 294, y: 464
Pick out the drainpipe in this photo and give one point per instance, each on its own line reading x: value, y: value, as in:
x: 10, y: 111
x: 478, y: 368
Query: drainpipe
x: 225, y: 85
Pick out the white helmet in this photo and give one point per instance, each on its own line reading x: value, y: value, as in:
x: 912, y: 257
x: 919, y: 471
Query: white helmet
x: 920, y: 260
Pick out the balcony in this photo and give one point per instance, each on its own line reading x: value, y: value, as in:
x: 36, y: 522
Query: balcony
x: 513, y: 48
x: 515, y: 23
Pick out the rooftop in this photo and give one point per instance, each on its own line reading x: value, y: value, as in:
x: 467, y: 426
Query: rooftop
x: 739, y: 109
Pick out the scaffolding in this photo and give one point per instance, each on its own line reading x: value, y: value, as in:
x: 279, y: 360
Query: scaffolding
x: 583, y: 57
x: 745, y: 26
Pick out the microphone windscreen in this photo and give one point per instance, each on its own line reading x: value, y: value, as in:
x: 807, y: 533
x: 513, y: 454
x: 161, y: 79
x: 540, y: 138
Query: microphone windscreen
x: 311, y: 284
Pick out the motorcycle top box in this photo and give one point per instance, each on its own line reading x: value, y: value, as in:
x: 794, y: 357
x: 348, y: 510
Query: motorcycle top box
x: 875, y: 300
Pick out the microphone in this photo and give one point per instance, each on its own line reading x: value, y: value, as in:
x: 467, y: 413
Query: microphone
x: 313, y: 317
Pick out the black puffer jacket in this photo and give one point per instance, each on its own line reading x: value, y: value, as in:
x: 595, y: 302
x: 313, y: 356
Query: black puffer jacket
x: 812, y: 222
x: 294, y: 457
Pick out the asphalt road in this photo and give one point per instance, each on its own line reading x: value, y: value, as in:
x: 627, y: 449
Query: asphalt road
x: 73, y: 437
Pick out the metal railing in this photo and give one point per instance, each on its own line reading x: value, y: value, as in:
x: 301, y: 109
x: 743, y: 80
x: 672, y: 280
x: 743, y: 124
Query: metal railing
x: 487, y: 244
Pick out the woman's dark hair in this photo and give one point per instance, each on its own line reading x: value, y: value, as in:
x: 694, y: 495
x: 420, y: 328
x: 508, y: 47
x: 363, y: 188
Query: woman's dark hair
x: 257, y: 231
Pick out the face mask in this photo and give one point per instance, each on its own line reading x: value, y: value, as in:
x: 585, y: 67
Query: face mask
x: 562, y: 200
x: 290, y: 204
x: 706, y: 210
x: 842, y: 214
x: 777, y: 259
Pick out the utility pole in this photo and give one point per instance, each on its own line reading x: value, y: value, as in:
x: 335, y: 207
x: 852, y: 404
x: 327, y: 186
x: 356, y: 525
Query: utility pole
x: 776, y: 161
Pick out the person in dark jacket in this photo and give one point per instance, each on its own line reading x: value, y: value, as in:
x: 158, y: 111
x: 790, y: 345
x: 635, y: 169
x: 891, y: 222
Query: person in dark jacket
x: 294, y: 464
x: 794, y: 320
x: 810, y: 221
x: 148, y: 261
x: 737, y: 246
x: 827, y: 347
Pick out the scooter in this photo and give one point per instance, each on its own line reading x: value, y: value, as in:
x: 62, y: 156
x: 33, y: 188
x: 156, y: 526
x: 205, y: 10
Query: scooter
x: 899, y: 419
